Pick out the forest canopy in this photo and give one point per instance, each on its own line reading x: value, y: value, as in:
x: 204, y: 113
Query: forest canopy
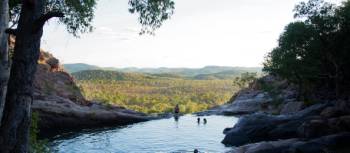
x: 313, y: 52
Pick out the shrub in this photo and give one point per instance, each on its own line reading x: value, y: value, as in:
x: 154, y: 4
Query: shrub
x: 36, y: 145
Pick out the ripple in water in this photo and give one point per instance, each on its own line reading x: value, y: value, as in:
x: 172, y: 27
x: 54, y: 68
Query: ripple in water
x: 158, y: 136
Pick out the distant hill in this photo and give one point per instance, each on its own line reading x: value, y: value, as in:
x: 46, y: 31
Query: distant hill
x: 71, y: 68
x: 231, y: 74
x: 115, y: 75
x: 214, y: 72
x: 192, y: 72
x: 108, y: 75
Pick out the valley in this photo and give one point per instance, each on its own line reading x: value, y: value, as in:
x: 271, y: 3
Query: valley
x: 158, y: 92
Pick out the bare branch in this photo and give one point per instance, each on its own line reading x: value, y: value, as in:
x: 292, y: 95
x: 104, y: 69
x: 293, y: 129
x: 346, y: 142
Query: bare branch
x: 39, y: 23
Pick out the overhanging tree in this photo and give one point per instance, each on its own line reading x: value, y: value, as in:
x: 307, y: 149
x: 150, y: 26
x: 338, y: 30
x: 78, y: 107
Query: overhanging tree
x: 28, y: 18
x: 314, y: 52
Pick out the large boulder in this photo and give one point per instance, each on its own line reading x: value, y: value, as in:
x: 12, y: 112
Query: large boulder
x: 263, y: 127
x: 292, y: 107
x: 58, y: 114
x: 337, y: 143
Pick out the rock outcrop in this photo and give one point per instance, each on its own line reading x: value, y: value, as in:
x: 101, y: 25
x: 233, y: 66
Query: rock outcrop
x: 62, y: 107
x: 58, y: 114
x: 264, y: 127
x: 337, y: 143
x: 256, y: 98
x: 279, y: 123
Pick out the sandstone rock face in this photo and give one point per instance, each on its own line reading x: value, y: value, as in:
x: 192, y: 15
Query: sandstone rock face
x: 58, y: 114
x: 62, y: 107
x: 53, y: 80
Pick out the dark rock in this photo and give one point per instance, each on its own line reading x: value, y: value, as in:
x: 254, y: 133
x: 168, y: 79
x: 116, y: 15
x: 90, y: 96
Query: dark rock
x: 262, y: 127
x: 343, y: 106
x: 333, y: 143
x: 265, y: 147
x: 226, y: 130
x: 337, y: 143
x: 331, y: 112
x: 314, y: 128
x: 292, y: 107
x: 344, y: 123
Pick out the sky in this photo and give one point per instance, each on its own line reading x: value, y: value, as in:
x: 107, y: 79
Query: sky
x: 200, y: 33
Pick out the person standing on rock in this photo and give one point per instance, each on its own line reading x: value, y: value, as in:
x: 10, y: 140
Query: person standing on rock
x: 177, y: 109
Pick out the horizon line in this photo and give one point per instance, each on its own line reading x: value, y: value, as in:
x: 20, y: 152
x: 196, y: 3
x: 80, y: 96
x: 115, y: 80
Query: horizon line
x: 164, y: 66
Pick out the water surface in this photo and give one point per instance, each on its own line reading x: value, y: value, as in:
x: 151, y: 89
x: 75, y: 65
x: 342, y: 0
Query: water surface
x: 157, y: 136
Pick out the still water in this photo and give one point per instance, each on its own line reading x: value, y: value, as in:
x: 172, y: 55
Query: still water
x: 157, y: 136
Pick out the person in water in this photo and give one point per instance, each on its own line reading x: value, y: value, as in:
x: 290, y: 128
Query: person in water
x: 198, y: 120
x: 205, y: 121
x: 177, y: 109
x: 195, y: 151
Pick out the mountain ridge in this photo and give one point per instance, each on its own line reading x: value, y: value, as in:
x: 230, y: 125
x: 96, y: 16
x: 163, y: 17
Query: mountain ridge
x: 184, y: 72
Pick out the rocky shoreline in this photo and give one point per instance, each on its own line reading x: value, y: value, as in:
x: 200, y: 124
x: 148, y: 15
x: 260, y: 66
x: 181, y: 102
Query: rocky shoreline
x: 269, y: 123
x: 318, y: 128
x: 59, y: 115
x: 285, y: 126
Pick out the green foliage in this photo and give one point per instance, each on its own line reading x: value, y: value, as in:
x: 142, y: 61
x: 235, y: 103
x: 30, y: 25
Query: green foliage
x: 111, y: 75
x: 152, y: 13
x: 215, y: 72
x: 273, y: 91
x: 314, y: 51
x: 36, y: 145
x: 170, y: 74
x: 159, y: 95
x: 244, y: 80
x: 79, y: 14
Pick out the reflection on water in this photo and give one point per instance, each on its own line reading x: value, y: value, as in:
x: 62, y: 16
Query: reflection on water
x: 176, y: 135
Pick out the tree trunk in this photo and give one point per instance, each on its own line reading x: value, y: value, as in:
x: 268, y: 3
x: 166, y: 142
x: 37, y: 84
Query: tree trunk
x: 14, y: 130
x: 4, y: 60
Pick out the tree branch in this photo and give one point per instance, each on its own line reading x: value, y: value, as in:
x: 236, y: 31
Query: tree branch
x: 11, y: 31
x: 39, y: 23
